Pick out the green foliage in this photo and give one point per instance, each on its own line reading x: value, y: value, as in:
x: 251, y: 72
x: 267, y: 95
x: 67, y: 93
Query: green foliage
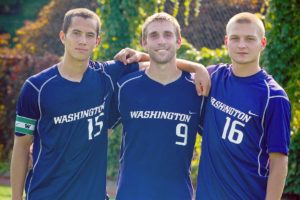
x: 122, y: 20
x: 282, y: 60
x: 4, y: 168
x: 293, y: 180
x: 281, y: 57
x: 27, y: 10
x: 114, y: 142
x: 195, y: 160
x: 205, y: 56
x: 15, y: 68
x: 42, y: 35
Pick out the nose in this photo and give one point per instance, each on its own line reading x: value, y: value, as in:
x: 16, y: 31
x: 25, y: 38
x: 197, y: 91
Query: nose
x: 161, y: 40
x: 82, y: 39
x: 242, y: 44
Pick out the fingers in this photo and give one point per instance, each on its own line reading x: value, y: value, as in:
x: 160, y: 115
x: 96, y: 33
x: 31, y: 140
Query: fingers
x: 199, y: 89
x: 122, y: 56
x: 127, y: 56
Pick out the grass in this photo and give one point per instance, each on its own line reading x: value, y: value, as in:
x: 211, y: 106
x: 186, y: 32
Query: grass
x: 5, y: 192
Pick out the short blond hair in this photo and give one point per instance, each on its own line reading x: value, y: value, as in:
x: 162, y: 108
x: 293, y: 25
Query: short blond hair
x: 246, y: 18
x: 161, y: 16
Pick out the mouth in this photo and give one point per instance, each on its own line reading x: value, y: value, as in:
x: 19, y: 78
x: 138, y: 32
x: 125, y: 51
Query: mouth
x: 161, y: 50
x: 81, y: 50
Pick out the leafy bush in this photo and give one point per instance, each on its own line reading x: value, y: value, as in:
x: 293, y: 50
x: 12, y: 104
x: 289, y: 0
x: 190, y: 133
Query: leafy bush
x: 282, y: 60
x: 15, y: 68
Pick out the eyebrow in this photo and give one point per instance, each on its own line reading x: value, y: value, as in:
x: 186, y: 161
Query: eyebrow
x: 77, y: 30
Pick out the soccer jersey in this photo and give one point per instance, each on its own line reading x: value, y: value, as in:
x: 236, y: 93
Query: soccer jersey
x: 160, y: 123
x: 246, y: 118
x: 69, y: 122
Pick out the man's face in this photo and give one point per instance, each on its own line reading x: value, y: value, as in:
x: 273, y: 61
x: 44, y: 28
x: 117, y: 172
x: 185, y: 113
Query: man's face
x: 161, y: 42
x: 244, y: 43
x: 80, y: 39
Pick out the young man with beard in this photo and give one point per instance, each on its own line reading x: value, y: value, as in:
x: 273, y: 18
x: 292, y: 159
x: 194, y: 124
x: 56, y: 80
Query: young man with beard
x: 160, y: 113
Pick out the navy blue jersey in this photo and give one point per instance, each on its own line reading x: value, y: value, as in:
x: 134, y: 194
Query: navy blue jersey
x: 160, y: 123
x: 69, y: 122
x: 246, y: 118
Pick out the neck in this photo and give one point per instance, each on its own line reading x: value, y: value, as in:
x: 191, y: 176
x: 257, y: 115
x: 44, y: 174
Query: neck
x: 244, y: 70
x: 71, y: 69
x: 163, y: 73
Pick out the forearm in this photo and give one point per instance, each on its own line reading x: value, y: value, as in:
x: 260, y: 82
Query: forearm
x: 19, y: 167
x: 189, y: 66
x: 277, y: 177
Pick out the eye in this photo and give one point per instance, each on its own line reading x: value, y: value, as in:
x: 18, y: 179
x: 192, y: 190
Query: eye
x: 234, y: 38
x: 153, y: 35
x: 250, y: 38
x: 76, y: 33
x: 168, y: 34
x: 90, y: 35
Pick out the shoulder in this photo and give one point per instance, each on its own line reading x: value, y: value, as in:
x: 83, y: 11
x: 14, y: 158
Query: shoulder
x: 41, y: 78
x: 132, y: 77
x: 218, y: 68
x: 100, y: 66
x: 275, y: 90
x: 189, y: 77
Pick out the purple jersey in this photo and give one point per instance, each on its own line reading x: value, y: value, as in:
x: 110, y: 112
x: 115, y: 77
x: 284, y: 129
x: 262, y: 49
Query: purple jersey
x: 246, y: 118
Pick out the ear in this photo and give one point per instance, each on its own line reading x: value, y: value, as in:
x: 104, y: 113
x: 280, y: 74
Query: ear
x: 62, y: 37
x: 98, y: 40
x: 226, y: 40
x: 179, y: 42
x: 264, y: 42
x: 144, y: 43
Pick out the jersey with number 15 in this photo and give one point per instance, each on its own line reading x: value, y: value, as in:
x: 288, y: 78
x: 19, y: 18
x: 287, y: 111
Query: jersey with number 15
x: 69, y: 122
x: 246, y: 118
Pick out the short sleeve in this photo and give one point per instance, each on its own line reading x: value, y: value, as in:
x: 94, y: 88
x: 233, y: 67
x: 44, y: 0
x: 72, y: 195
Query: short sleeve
x: 277, y: 125
x: 116, y: 69
x: 114, y: 114
x: 202, y: 114
x: 27, y: 112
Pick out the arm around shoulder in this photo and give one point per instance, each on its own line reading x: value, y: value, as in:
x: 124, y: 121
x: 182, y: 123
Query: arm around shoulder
x: 202, y: 77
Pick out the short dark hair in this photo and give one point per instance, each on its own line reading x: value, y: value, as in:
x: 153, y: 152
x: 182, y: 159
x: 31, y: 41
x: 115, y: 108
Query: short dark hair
x: 80, y: 12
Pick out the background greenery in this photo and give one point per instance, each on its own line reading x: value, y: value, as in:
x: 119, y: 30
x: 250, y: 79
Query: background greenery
x: 36, y: 46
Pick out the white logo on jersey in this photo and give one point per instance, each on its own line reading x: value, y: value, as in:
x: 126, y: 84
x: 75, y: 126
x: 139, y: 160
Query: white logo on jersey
x: 251, y: 113
x: 160, y: 115
x: 230, y: 110
x: 80, y: 115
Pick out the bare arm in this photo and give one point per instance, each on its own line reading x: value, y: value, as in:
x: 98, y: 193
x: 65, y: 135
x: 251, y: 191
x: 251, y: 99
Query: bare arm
x: 277, y: 176
x: 19, y: 165
x: 202, y: 78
